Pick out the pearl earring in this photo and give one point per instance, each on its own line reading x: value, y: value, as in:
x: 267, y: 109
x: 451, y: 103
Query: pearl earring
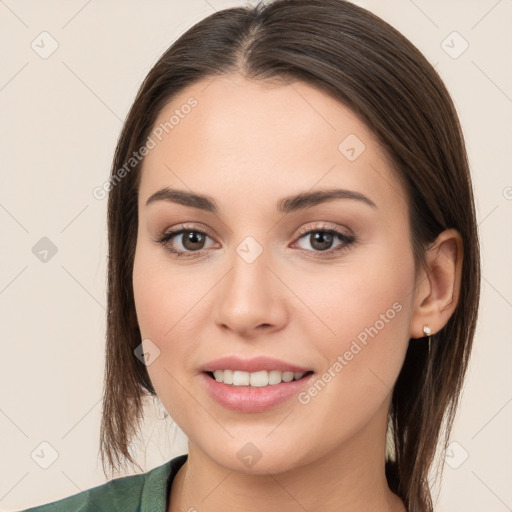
x: 427, y: 332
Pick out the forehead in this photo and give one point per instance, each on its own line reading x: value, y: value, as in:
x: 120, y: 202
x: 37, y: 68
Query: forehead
x: 227, y: 135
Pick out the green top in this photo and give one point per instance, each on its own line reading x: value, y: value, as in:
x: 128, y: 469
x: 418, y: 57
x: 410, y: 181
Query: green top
x: 145, y: 492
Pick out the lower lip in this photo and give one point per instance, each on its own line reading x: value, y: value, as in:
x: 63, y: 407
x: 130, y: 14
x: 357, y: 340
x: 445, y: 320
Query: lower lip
x: 253, y: 399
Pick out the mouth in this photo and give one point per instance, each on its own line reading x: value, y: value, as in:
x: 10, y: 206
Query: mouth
x: 255, y: 384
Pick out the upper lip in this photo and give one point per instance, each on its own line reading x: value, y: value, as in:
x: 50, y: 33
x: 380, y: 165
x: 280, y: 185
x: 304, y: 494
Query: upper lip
x: 254, y: 364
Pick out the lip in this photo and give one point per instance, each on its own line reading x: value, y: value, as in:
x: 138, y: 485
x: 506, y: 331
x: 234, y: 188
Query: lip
x: 254, y: 364
x: 248, y: 399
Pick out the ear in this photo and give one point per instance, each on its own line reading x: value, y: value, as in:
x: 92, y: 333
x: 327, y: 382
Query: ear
x: 438, y: 285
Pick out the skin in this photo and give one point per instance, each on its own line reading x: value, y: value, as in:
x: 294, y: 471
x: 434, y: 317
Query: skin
x: 248, y: 144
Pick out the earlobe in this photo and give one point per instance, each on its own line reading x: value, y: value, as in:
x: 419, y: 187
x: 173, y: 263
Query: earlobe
x: 438, y: 294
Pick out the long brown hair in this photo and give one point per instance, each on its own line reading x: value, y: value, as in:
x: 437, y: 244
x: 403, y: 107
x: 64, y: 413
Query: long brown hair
x: 374, y: 70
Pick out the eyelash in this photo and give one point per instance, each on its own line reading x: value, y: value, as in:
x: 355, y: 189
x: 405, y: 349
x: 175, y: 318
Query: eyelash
x: 347, y: 240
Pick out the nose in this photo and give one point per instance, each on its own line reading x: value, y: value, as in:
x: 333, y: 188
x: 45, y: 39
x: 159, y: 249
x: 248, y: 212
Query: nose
x: 251, y: 298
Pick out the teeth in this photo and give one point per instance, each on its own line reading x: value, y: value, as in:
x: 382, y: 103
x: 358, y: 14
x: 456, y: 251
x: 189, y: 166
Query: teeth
x: 240, y: 378
x: 255, y: 379
x: 227, y: 377
x: 287, y: 376
x: 258, y: 379
x: 274, y: 377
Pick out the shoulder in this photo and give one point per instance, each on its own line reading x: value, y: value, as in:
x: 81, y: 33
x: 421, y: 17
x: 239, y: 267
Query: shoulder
x: 134, y: 493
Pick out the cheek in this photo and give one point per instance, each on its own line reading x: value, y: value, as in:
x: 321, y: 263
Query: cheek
x: 147, y: 290
x: 163, y: 295
x: 167, y: 304
x: 367, y: 307
x: 370, y: 290
x: 158, y: 313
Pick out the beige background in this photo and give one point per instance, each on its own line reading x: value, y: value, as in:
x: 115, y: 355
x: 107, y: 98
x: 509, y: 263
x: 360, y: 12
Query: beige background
x: 61, y: 116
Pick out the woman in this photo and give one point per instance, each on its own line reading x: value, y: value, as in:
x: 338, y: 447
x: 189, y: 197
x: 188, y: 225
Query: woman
x: 293, y: 267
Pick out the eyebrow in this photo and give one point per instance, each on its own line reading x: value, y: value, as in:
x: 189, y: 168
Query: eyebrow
x: 288, y: 204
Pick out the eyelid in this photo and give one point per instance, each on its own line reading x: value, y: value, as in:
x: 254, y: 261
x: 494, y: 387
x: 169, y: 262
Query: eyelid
x: 185, y: 227
x: 324, y: 226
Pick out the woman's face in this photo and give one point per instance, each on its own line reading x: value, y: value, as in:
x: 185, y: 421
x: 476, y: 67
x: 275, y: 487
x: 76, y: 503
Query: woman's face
x: 267, y: 277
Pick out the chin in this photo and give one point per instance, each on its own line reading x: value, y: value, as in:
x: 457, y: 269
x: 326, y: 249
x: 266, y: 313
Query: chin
x: 256, y: 458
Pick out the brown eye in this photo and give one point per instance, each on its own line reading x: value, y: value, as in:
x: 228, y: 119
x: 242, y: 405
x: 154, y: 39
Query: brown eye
x: 184, y: 242
x: 193, y: 240
x: 321, y: 240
